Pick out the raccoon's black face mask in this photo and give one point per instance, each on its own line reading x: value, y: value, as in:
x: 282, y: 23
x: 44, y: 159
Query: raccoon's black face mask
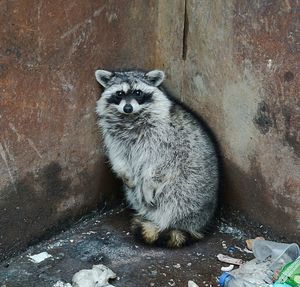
x: 129, y: 101
x: 130, y: 92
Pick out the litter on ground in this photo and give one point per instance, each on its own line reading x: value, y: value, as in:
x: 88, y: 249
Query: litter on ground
x: 229, y: 260
x: 136, y: 264
x: 274, y: 264
x: 38, y: 258
x: 98, y: 276
x: 192, y: 284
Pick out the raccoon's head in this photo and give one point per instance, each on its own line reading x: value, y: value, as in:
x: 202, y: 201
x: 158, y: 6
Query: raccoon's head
x: 130, y: 92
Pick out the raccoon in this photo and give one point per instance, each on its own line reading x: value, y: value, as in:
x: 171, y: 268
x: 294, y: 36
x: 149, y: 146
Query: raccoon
x: 164, y: 154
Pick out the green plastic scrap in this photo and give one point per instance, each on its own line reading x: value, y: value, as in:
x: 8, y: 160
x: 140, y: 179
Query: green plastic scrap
x: 290, y: 273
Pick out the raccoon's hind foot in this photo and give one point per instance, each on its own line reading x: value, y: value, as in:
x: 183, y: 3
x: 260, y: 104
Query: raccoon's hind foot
x: 144, y: 230
x: 149, y: 233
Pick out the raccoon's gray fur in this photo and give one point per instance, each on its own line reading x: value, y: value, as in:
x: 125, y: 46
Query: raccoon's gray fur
x: 164, y: 155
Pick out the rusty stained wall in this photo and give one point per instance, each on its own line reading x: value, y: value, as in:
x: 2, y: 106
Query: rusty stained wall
x: 237, y: 64
x: 52, y: 165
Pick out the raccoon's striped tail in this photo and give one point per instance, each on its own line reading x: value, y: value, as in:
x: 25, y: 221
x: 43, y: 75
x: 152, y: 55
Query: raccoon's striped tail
x: 149, y: 233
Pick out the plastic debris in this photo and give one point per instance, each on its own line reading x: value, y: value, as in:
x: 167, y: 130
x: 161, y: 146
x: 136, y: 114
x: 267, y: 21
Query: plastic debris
x: 231, y: 249
x: 38, y: 258
x: 229, y: 260
x: 280, y: 253
x: 227, y: 268
x: 290, y: 274
x: 249, y: 242
x: 269, y: 258
x: 247, y: 250
x: 227, y: 280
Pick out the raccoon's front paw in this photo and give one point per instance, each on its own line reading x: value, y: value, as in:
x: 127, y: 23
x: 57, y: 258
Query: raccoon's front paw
x: 149, y: 204
x: 149, y: 198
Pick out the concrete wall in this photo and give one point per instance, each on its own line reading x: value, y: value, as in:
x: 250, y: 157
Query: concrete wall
x: 237, y: 64
x: 52, y: 165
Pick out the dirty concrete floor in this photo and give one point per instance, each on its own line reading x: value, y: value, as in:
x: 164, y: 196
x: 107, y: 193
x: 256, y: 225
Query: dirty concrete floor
x: 105, y: 238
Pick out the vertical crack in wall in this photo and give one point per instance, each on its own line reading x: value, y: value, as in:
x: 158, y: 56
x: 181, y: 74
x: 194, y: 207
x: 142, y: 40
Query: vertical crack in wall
x: 185, y: 32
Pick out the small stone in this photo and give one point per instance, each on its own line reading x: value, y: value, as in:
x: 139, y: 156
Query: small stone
x: 192, y: 284
x: 224, y: 244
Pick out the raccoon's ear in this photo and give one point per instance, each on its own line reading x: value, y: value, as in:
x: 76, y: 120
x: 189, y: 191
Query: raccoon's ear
x: 103, y: 77
x: 155, y: 77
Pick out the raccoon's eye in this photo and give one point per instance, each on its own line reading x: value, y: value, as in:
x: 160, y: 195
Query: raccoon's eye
x: 119, y: 95
x: 137, y: 93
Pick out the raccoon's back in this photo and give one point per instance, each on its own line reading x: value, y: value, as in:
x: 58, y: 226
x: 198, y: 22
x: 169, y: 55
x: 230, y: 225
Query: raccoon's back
x: 193, y: 131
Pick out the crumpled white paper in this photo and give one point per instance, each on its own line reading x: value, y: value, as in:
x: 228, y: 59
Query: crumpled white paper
x: 61, y: 284
x: 98, y: 276
x: 38, y: 258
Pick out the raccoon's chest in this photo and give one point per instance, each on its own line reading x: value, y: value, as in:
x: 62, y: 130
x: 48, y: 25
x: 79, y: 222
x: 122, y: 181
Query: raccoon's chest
x: 131, y: 156
x: 118, y: 156
x: 122, y: 155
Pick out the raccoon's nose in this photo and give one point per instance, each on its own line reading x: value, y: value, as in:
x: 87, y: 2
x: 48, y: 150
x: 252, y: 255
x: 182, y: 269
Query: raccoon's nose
x: 128, y: 109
